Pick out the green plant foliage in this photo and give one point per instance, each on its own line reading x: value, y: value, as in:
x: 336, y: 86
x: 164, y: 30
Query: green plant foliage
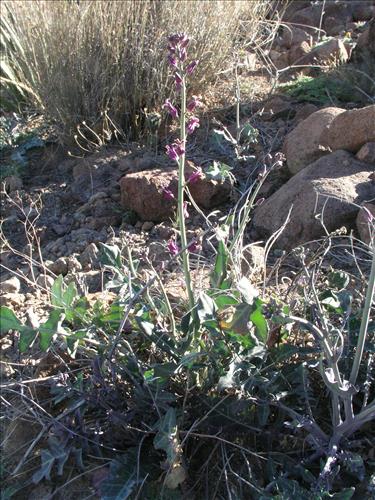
x: 218, y: 171
x: 319, y: 90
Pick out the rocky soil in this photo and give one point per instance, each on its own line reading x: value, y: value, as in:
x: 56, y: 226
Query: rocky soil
x: 55, y: 215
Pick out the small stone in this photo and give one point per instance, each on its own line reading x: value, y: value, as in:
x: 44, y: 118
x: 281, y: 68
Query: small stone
x: 60, y: 229
x: 163, y: 232
x: 363, y: 223
x: 45, y: 281
x: 60, y: 266
x: 305, y: 111
x: 97, y: 196
x: 4, y: 257
x: 6, y: 370
x: 147, y: 226
x: 12, y: 299
x: 116, y: 197
x: 73, y: 264
x: 11, y: 285
x: 12, y: 183
x: 367, y: 153
x: 91, y: 281
x: 90, y: 256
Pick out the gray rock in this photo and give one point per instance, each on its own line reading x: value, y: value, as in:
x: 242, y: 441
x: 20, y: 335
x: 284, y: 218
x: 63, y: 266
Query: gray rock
x: 333, y: 187
x: 305, y: 143
x: 60, y: 266
x: 11, y: 285
x: 90, y: 256
x: 367, y: 153
x: 91, y: 281
x: 12, y: 183
x: 147, y: 226
x: 45, y: 281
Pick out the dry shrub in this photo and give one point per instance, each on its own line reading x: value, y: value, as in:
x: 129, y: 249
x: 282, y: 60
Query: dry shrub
x: 78, y: 58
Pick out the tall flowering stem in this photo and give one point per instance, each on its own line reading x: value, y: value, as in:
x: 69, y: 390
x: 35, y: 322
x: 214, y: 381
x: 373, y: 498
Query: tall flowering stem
x: 177, y: 47
x: 181, y: 193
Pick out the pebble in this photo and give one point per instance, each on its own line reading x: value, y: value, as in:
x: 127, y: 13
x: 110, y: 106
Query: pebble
x: 147, y: 226
x: 11, y: 285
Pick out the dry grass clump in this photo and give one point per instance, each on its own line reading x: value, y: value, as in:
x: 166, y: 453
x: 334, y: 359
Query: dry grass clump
x: 76, y: 59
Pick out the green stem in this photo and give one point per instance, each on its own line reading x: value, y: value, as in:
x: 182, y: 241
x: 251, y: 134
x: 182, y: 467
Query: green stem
x: 181, y: 192
x: 245, y: 218
x: 364, y: 323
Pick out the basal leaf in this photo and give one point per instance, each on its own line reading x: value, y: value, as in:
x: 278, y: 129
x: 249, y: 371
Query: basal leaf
x: 165, y: 438
x: 57, y: 291
x: 70, y: 294
x: 260, y: 323
x: 27, y: 335
x: 110, y: 255
x: 9, y: 321
x: 48, y: 460
x: 241, y: 318
x: 221, y: 266
x: 123, y: 477
x: 49, y: 329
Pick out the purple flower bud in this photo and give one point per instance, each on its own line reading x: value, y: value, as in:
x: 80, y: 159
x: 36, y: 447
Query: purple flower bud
x: 178, y: 82
x: 194, y: 103
x: 193, y: 178
x: 186, y: 213
x: 173, y: 247
x: 179, y: 146
x: 170, y: 108
x: 193, y: 123
x: 171, y: 152
x: 185, y: 42
x: 168, y: 195
x: 369, y: 215
x: 259, y: 202
x: 178, y: 39
x: 182, y: 55
x: 191, y: 67
x: 172, y: 61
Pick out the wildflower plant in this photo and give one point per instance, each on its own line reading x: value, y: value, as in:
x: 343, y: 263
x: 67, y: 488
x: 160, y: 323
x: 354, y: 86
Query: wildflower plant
x: 182, y: 69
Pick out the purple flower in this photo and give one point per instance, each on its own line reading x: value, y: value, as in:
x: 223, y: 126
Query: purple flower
x: 173, y: 247
x: 186, y: 213
x: 191, y: 67
x: 171, y: 152
x: 194, y: 247
x: 170, y: 108
x: 167, y: 194
x: 178, y: 81
x: 194, y: 103
x: 175, y: 150
x: 193, y: 178
x: 193, y: 123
